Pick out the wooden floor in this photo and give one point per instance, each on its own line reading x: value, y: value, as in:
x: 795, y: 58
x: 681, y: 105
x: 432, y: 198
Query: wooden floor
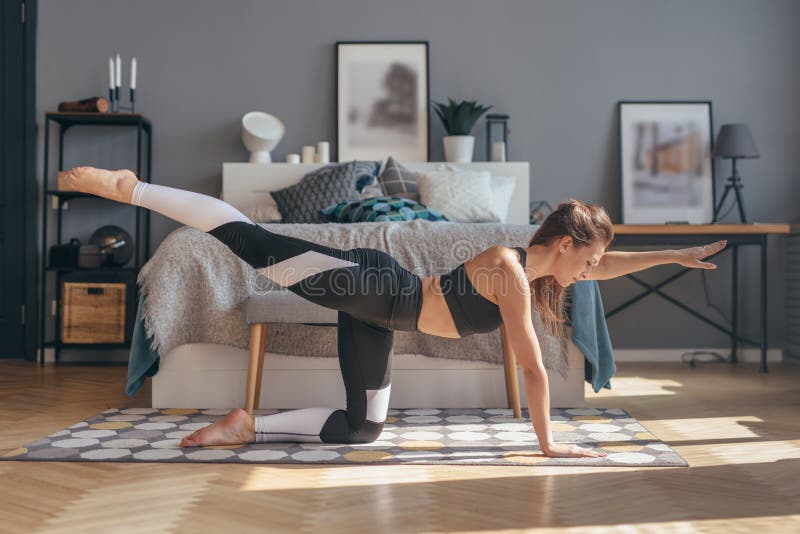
x: 738, y: 429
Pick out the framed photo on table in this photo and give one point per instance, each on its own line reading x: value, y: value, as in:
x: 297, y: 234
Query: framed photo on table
x: 666, y: 170
x: 382, y: 100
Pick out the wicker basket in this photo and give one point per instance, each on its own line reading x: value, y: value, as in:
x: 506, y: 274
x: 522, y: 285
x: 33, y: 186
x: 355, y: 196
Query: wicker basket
x: 93, y: 312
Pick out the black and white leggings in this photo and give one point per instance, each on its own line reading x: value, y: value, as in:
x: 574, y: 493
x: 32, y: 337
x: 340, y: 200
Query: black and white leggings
x: 373, y: 294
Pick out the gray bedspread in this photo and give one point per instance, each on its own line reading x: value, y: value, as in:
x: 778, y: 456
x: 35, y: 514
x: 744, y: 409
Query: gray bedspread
x: 195, y: 287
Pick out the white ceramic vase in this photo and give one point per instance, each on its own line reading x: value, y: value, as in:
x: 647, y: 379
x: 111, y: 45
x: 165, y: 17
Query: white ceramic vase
x: 458, y: 148
x: 260, y: 134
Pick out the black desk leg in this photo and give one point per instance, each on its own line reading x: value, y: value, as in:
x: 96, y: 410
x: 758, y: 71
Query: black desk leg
x: 763, y: 368
x: 735, y: 306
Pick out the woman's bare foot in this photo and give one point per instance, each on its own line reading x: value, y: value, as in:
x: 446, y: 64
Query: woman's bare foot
x: 116, y: 185
x: 236, y: 427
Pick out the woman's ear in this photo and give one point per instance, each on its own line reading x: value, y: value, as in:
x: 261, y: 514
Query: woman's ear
x: 566, y: 241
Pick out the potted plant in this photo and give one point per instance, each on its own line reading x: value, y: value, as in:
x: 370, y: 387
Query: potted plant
x: 458, y: 118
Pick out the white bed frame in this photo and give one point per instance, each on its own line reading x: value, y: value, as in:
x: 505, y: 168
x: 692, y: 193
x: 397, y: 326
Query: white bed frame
x: 213, y: 376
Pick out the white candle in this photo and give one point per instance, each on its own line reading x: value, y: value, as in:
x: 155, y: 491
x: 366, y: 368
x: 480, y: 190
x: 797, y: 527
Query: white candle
x: 308, y: 154
x: 323, y: 151
x: 498, y: 151
x: 133, y: 73
x: 292, y: 158
x: 111, y: 73
x: 119, y: 71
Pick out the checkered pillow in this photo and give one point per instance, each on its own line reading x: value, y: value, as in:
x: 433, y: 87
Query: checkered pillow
x: 399, y: 181
x: 381, y: 208
x: 302, y: 202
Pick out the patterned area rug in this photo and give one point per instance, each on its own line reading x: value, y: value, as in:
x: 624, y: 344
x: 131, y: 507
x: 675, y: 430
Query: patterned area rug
x: 414, y: 436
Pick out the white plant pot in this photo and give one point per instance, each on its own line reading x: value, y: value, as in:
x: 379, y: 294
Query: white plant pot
x: 458, y: 148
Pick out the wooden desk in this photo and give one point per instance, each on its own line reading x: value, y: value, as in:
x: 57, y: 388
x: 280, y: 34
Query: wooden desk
x: 700, y: 234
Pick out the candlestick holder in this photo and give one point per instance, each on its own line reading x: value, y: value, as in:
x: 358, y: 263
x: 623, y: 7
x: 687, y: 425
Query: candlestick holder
x: 114, y: 100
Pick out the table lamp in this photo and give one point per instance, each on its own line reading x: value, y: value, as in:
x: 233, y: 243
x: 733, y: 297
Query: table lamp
x: 733, y: 142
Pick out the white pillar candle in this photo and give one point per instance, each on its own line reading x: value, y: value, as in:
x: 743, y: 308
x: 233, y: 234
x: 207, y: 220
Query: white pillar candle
x: 292, y: 158
x: 110, y: 73
x: 308, y: 154
x: 323, y: 151
x: 498, y: 151
x: 133, y: 73
x: 119, y: 71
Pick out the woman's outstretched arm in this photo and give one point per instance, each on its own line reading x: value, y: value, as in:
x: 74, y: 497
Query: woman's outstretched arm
x: 618, y: 263
x: 514, y: 300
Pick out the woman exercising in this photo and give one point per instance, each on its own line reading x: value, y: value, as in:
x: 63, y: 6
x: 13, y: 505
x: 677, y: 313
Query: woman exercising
x: 375, y: 295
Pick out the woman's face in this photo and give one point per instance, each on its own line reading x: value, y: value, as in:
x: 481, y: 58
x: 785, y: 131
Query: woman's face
x: 575, y: 263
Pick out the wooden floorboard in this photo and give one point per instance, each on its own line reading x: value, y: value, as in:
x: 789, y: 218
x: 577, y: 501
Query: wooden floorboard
x: 738, y: 429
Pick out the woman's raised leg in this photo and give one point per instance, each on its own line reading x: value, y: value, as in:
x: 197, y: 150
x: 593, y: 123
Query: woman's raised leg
x: 284, y: 259
x: 193, y: 209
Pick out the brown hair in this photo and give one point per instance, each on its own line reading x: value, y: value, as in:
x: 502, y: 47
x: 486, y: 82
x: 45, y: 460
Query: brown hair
x: 582, y: 222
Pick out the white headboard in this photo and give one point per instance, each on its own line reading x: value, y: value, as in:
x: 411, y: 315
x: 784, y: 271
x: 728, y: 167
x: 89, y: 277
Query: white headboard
x: 241, y: 182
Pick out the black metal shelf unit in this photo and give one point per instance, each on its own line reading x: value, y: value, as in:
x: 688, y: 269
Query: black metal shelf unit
x: 66, y: 120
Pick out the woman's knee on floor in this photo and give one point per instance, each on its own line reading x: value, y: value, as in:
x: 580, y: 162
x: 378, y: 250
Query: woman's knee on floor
x: 340, y: 429
x: 367, y: 432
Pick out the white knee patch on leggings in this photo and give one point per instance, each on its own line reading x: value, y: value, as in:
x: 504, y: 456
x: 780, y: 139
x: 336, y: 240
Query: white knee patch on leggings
x: 193, y: 209
x: 378, y: 404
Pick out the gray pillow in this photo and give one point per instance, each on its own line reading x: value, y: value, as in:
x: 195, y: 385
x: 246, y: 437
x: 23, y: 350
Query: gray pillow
x: 398, y: 181
x: 302, y: 202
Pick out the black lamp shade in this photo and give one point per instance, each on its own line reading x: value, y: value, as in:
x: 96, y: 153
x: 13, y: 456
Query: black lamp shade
x: 735, y: 141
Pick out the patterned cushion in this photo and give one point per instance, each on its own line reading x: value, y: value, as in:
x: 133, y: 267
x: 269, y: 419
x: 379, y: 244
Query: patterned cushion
x: 464, y: 196
x: 367, y: 182
x: 302, y: 202
x: 382, y: 208
x: 398, y: 180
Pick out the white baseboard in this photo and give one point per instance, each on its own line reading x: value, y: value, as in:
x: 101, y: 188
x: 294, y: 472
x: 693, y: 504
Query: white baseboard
x: 674, y: 355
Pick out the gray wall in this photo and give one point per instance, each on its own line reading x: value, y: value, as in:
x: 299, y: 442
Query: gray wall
x: 557, y: 67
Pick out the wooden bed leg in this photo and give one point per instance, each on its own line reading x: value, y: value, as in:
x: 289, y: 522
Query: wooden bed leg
x: 510, y: 366
x: 262, y: 345
x: 256, y: 357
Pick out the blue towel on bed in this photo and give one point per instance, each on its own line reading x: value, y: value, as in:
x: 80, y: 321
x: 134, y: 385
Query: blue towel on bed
x: 143, y: 361
x: 590, y: 334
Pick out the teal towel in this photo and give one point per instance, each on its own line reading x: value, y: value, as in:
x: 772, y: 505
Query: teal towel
x: 590, y: 334
x: 143, y: 361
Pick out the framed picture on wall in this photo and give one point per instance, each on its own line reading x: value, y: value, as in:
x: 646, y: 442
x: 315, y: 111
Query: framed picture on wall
x: 382, y: 100
x: 666, y: 170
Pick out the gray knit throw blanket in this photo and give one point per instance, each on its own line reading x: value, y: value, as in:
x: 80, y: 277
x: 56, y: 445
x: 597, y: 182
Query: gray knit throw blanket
x: 195, y: 287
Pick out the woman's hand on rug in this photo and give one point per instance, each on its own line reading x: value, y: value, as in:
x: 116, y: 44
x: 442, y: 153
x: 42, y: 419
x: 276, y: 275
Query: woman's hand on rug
x: 568, y: 450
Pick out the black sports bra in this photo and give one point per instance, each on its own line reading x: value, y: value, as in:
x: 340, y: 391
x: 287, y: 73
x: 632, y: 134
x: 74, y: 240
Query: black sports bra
x: 472, y: 313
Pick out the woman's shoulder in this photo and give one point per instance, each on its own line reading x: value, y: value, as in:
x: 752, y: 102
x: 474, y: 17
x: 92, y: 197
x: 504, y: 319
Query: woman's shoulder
x: 498, y: 255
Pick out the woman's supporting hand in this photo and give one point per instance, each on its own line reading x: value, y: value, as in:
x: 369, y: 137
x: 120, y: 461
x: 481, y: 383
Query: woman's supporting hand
x: 567, y: 450
x: 690, y: 257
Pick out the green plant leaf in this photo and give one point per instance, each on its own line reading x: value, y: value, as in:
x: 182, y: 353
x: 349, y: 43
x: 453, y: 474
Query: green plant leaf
x: 458, y: 118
